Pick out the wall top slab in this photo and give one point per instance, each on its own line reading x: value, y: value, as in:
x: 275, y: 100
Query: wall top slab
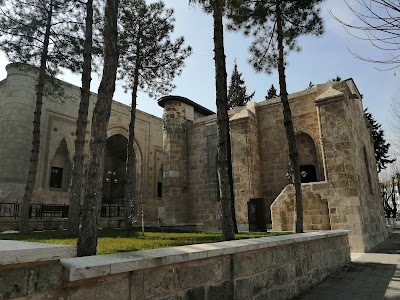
x: 13, y: 252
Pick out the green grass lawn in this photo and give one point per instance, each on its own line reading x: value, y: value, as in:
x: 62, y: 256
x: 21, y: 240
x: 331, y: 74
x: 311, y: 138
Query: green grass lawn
x: 115, y: 240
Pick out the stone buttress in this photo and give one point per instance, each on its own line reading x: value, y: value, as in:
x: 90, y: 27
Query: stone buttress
x: 178, y: 112
x: 16, y: 117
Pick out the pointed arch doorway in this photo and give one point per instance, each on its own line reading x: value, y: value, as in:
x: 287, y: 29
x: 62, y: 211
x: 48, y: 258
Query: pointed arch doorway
x: 308, y: 158
x: 114, y: 176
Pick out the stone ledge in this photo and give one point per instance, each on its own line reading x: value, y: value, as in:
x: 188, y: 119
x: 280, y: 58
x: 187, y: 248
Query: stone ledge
x: 13, y: 252
x: 101, y: 265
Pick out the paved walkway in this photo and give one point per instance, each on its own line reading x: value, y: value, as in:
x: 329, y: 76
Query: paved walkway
x: 370, y: 276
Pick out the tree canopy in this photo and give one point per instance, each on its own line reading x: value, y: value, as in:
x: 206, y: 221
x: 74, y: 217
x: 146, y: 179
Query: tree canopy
x: 259, y: 19
x: 22, y: 28
x: 146, y: 46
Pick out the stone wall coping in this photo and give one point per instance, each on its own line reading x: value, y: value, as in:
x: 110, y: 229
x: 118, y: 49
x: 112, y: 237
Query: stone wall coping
x: 13, y: 252
x: 80, y: 268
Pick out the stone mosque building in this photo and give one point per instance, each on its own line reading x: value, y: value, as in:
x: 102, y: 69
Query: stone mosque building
x: 176, y: 158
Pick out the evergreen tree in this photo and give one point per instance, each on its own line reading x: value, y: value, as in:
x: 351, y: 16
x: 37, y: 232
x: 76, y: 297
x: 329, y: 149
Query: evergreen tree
x: 276, y: 26
x: 42, y: 34
x: 224, y: 163
x: 87, y: 238
x: 237, y: 93
x: 271, y: 93
x: 81, y: 124
x: 381, y: 147
x: 149, y: 62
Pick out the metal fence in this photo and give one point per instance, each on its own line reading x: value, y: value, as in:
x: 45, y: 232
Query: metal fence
x: 44, y: 210
x: 390, y: 191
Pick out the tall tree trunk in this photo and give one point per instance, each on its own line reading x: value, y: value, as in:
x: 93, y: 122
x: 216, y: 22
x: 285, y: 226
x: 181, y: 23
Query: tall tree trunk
x: 87, y: 238
x: 130, y: 185
x: 81, y: 124
x: 30, y: 184
x: 224, y: 145
x: 287, y: 116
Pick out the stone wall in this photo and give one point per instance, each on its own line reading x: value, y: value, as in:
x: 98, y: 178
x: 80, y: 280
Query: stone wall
x: 273, y: 147
x: 245, y: 162
x: 203, y: 193
x: 351, y: 192
x: 278, y: 267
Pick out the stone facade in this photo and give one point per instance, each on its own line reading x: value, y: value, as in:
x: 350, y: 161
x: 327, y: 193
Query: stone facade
x: 350, y: 197
x: 340, y: 187
x: 58, y: 123
x: 176, y: 158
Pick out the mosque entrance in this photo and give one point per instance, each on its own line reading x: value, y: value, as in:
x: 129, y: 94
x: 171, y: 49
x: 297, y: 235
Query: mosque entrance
x: 307, y: 157
x: 114, y: 169
x: 256, y: 214
x: 308, y: 173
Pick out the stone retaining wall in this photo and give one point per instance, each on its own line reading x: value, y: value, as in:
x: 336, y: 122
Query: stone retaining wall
x: 278, y: 267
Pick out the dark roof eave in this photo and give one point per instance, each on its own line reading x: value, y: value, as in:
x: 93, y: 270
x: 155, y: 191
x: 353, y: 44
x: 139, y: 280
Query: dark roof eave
x: 200, y: 109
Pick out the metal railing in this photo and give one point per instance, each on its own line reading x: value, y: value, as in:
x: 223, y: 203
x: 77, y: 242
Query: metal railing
x: 9, y: 210
x: 44, y: 210
x: 112, y: 210
x: 390, y: 191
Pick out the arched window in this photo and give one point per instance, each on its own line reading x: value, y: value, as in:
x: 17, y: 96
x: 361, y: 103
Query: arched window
x: 308, y: 158
x: 367, y: 170
x: 60, y: 168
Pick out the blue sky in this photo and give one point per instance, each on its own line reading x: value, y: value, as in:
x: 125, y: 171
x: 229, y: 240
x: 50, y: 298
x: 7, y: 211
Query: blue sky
x: 321, y: 59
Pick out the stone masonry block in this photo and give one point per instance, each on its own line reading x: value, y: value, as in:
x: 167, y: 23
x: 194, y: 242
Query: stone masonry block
x: 118, y: 288
x: 136, y: 286
x: 248, y: 263
x: 212, y: 271
x: 196, y: 293
x: 221, y: 292
x: 158, y: 282
x: 24, y: 280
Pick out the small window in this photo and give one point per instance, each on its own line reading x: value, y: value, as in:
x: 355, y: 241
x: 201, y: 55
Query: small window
x: 56, y: 177
x: 368, y: 170
x: 159, y: 189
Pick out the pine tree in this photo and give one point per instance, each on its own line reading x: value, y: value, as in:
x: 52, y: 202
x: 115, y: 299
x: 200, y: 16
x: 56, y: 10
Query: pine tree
x: 237, y: 93
x: 381, y: 147
x: 87, y: 238
x: 224, y: 164
x: 149, y: 62
x: 271, y: 93
x: 42, y: 34
x: 276, y: 26
x: 81, y: 124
